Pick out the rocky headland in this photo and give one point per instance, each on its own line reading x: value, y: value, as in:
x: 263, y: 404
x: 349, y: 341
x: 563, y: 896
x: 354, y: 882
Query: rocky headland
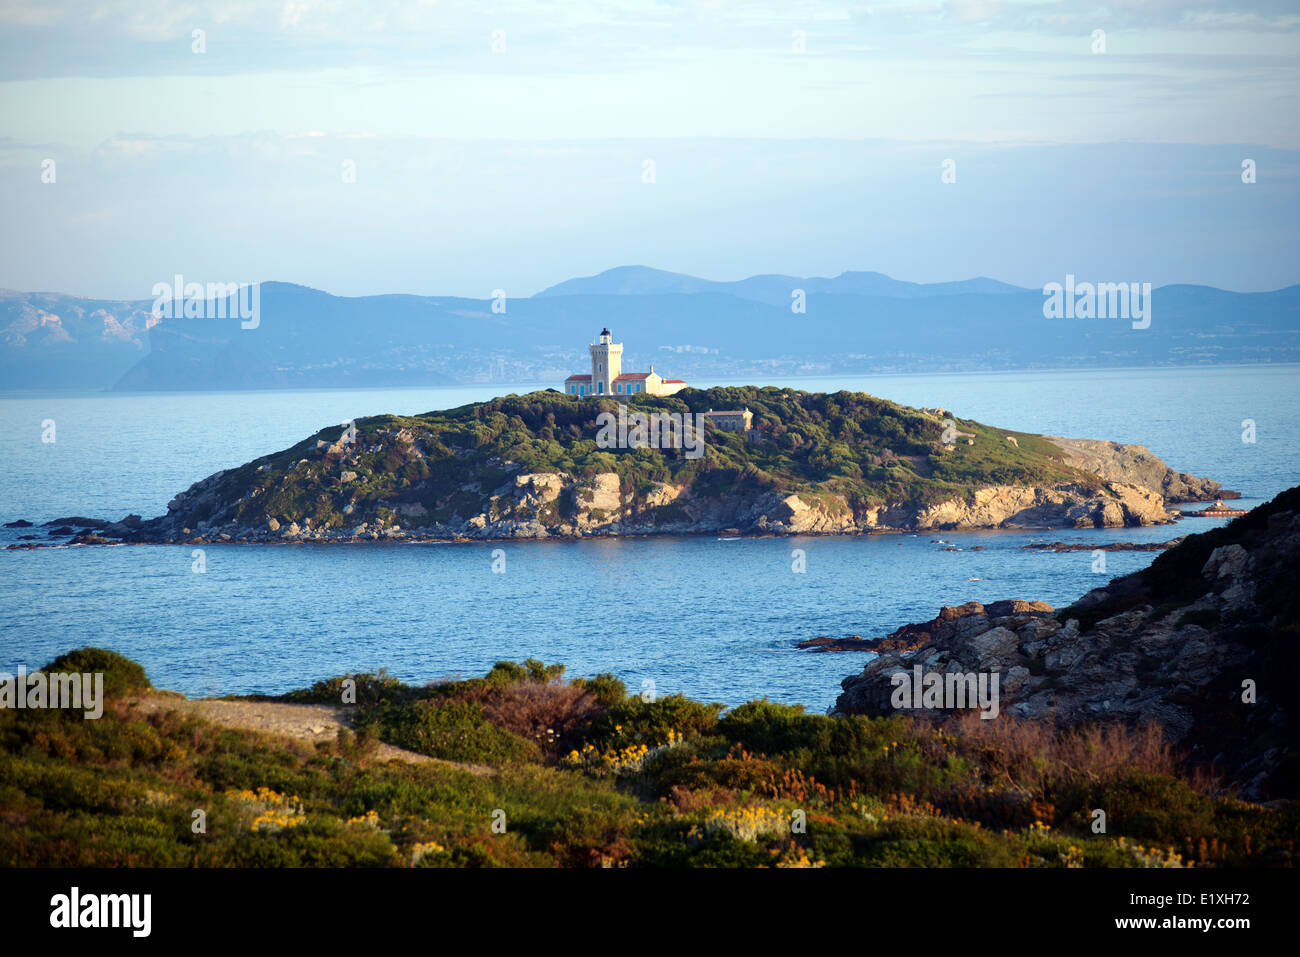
x: 1136, y: 464
x: 1203, y: 642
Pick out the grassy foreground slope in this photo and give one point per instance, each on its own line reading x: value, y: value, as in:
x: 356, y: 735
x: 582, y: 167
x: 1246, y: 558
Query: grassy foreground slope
x: 577, y: 773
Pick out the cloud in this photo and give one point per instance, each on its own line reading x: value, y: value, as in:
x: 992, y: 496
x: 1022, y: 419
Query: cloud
x: 152, y: 37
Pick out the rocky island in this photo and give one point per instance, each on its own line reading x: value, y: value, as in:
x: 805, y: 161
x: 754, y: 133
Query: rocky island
x: 529, y: 466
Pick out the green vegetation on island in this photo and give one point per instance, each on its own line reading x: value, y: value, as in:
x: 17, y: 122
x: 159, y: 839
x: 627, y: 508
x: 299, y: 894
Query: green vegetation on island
x: 869, y: 449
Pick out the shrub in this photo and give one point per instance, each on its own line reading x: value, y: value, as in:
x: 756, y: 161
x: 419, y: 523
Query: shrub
x: 453, y: 730
x: 605, y: 688
x: 545, y: 713
x: 650, y: 721
x: 743, y: 773
x: 370, y: 688
x: 121, y: 674
x: 1155, y: 807
x: 508, y: 672
x: 773, y: 728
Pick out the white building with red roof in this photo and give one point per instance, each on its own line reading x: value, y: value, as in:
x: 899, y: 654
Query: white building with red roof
x: 608, y: 378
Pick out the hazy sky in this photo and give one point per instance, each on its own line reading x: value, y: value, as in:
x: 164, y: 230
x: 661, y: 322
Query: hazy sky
x: 508, y: 145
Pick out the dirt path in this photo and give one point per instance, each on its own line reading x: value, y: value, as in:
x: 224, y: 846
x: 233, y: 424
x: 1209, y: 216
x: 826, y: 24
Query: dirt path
x: 302, y: 722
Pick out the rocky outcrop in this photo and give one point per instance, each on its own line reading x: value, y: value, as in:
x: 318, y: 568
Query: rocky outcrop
x: 1102, y: 547
x: 827, y: 644
x: 544, y: 505
x: 1115, y: 505
x: 554, y: 504
x: 1136, y: 465
x: 1204, y: 642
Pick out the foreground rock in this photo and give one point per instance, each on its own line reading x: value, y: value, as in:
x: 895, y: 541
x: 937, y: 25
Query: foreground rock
x: 1206, y: 641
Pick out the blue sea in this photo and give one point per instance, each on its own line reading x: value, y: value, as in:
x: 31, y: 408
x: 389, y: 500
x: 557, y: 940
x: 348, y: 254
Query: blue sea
x: 716, y: 619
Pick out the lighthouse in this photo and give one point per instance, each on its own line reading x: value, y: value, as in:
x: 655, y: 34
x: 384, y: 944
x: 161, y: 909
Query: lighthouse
x: 608, y: 378
x: 606, y: 363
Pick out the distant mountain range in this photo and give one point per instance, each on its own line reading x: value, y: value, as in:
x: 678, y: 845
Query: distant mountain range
x: 857, y: 322
x: 773, y: 290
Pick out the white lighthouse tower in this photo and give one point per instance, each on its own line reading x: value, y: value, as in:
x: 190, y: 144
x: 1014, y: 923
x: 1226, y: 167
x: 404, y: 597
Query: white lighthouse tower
x: 608, y: 378
x: 606, y: 363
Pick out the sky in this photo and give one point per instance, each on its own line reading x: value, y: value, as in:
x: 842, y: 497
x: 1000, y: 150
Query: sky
x: 445, y: 148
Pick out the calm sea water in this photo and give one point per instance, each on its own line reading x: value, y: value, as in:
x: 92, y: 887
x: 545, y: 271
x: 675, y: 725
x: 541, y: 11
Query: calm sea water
x: 714, y: 619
